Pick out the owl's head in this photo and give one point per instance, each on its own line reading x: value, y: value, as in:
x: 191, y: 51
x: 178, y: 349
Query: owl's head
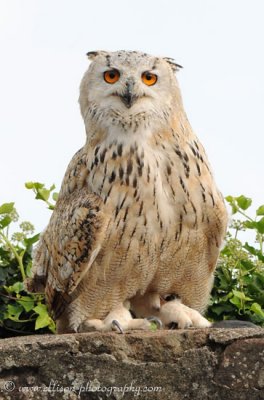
x: 128, y: 89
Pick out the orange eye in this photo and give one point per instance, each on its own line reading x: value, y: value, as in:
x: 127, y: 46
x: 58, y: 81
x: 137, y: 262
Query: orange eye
x: 148, y: 78
x: 111, y: 76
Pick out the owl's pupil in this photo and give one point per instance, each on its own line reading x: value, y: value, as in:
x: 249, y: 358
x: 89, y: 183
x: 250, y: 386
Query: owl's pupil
x: 148, y: 77
x: 112, y: 75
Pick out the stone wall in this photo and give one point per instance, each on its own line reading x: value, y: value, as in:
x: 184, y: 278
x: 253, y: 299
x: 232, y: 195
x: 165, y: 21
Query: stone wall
x: 218, y: 364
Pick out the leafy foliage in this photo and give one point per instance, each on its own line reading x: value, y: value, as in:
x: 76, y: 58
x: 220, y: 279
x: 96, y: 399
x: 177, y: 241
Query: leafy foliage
x: 20, y: 312
x: 238, y: 291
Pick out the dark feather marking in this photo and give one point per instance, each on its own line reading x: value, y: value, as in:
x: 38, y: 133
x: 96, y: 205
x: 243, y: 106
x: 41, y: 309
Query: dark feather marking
x: 108, y: 194
x: 181, y: 218
x: 125, y: 215
x: 93, y: 175
x: 108, y: 62
x: 121, y: 172
x: 131, y: 236
x: 122, y: 232
x: 148, y: 174
x: 203, y: 188
x: 112, y: 177
x: 186, y: 170
x: 123, y: 201
x: 212, y: 197
x: 134, y: 231
x: 120, y: 150
x: 129, y: 167
x: 140, y: 208
x: 178, y: 152
x: 185, y: 156
x: 117, y: 209
x: 102, y: 155
x: 102, y: 184
x: 118, y: 222
x: 193, y: 150
x: 193, y: 207
x: 182, y: 185
x: 154, y: 194
x: 173, y: 192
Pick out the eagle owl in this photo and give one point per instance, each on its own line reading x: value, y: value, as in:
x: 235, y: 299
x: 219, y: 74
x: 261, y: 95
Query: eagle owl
x: 139, y: 220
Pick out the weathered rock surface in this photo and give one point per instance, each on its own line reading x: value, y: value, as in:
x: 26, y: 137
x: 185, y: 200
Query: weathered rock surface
x: 217, y: 364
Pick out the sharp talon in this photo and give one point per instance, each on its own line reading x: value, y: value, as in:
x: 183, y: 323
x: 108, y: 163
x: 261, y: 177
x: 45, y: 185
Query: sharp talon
x: 156, y: 320
x: 116, y: 324
x: 173, y: 325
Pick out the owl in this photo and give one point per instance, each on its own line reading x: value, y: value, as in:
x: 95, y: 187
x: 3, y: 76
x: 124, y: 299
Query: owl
x: 139, y: 220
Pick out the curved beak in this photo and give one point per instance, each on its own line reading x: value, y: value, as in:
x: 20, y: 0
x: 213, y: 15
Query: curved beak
x: 129, y: 97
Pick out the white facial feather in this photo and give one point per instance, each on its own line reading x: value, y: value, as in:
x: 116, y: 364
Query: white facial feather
x: 101, y: 102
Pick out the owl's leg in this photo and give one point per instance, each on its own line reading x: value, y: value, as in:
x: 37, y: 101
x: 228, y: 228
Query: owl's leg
x: 119, y: 319
x: 175, y: 313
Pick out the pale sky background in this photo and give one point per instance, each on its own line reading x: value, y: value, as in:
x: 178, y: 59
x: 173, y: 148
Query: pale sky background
x: 43, y: 44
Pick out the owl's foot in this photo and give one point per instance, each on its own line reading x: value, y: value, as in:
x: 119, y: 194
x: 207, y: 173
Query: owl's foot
x: 120, y: 320
x: 174, y: 314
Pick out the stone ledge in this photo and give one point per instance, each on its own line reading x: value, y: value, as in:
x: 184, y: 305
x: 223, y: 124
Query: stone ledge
x: 190, y: 364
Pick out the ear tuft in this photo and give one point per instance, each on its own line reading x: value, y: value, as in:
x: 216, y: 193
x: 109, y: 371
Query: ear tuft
x: 175, y: 67
x: 92, y: 55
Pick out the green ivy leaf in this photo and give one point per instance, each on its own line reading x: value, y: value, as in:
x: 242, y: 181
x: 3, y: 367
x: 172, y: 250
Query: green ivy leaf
x: 229, y: 199
x: 17, y: 287
x: 222, y: 308
x: 5, y: 222
x: 243, y: 202
x: 241, y: 295
x: 26, y: 302
x: 55, y: 196
x: 250, y: 224
x: 234, y: 209
x: 6, y: 208
x: 260, y: 226
x: 260, y: 210
x: 29, y: 185
x: 256, y: 308
x: 236, y: 301
x: 254, y: 251
x: 43, y: 194
x: 13, y: 311
x: 30, y: 241
x: 43, y: 320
